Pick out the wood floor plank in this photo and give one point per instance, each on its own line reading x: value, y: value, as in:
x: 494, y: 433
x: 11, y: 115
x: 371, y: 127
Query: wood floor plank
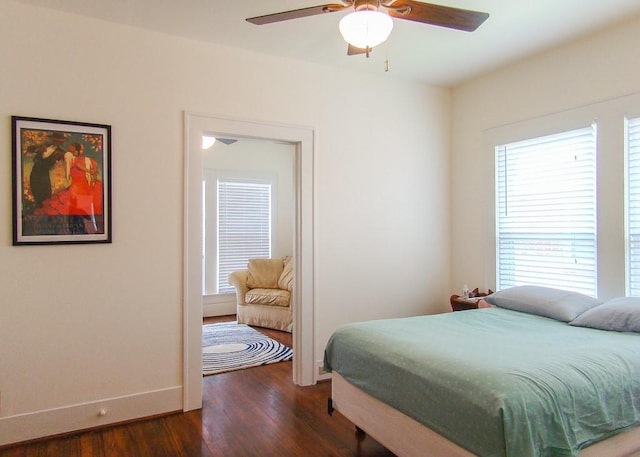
x: 90, y: 447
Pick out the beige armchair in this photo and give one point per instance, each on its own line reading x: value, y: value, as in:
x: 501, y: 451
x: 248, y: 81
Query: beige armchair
x: 263, y: 293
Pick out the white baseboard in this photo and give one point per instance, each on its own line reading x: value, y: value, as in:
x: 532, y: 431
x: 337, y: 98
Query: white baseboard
x: 218, y: 309
x: 39, y: 424
x: 219, y: 305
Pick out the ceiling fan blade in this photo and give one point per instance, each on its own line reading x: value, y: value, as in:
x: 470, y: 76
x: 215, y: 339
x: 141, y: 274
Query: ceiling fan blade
x: 353, y: 51
x: 295, y: 14
x: 443, y: 16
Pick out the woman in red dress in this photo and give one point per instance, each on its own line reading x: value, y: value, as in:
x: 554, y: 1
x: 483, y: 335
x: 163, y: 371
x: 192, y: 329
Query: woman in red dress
x: 84, y: 187
x: 83, y: 196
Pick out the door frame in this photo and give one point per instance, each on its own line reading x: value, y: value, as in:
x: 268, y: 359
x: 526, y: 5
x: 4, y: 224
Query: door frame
x: 303, y: 294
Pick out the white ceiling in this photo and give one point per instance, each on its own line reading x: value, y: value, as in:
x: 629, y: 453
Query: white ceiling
x: 434, y: 55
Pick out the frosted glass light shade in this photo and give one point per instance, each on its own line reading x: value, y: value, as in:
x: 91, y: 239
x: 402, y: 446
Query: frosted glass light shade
x: 208, y: 141
x: 364, y: 29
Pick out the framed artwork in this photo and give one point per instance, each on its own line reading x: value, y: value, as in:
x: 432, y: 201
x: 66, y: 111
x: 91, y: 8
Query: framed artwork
x: 61, y: 182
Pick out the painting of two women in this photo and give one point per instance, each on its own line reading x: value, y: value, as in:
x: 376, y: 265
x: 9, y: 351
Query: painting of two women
x: 62, y: 176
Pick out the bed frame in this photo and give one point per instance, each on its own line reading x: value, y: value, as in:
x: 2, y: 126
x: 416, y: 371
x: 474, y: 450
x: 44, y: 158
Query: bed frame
x: 406, y: 437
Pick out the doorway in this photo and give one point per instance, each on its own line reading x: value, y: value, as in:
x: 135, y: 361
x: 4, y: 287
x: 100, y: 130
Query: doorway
x: 303, y: 247
x: 248, y: 211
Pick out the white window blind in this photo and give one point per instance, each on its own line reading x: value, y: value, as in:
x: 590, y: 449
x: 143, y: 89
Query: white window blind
x: 633, y: 207
x: 546, y: 212
x: 244, y: 226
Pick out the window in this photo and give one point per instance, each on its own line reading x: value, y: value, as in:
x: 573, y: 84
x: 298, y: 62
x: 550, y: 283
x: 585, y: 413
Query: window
x: 633, y: 207
x: 243, y: 229
x: 546, y: 212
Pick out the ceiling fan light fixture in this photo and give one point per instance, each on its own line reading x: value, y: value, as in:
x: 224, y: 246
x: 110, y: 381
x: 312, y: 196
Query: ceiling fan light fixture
x: 208, y: 141
x: 365, y: 29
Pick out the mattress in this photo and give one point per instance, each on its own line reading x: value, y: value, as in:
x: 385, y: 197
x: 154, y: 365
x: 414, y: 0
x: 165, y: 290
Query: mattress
x: 497, y: 382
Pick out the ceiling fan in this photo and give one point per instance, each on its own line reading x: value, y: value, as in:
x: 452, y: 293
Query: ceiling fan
x: 370, y: 22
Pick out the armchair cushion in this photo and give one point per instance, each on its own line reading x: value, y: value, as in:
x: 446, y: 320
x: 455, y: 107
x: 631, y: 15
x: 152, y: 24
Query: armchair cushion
x: 264, y: 273
x: 276, y: 297
x: 286, y: 278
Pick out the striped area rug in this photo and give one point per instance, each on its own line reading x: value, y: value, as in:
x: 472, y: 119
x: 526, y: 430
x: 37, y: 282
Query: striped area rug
x: 229, y: 346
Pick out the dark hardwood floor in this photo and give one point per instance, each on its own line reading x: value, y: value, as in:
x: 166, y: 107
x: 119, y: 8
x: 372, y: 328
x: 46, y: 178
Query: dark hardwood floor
x: 252, y: 412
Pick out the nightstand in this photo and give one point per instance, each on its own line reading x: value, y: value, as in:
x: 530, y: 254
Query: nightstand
x: 459, y: 303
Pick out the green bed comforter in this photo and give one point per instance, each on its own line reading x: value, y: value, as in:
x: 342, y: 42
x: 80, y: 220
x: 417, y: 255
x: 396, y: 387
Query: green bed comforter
x: 497, y: 382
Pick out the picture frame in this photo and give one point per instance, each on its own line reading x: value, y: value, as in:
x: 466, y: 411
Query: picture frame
x: 61, y: 182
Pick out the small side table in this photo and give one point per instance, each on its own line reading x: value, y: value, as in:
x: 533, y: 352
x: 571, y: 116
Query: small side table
x: 459, y: 303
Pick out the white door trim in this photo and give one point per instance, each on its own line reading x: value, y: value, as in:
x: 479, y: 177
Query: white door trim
x: 303, y: 251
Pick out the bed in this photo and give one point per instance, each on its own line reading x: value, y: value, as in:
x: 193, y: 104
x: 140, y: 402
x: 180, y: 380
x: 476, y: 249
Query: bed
x: 522, y: 379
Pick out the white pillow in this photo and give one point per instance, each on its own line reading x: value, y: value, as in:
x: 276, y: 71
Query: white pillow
x: 620, y: 314
x: 562, y: 305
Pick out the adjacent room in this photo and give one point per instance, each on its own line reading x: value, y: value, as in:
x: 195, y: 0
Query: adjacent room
x: 384, y: 169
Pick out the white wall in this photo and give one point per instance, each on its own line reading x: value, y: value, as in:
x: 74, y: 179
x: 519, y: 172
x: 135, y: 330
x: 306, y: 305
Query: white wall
x: 589, y: 77
x: 91, y: 326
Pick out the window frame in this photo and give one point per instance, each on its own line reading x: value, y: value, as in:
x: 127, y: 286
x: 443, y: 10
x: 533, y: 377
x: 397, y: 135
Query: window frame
x: 633, y: 117
x: 560, y: 240
x: 538, y: 127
